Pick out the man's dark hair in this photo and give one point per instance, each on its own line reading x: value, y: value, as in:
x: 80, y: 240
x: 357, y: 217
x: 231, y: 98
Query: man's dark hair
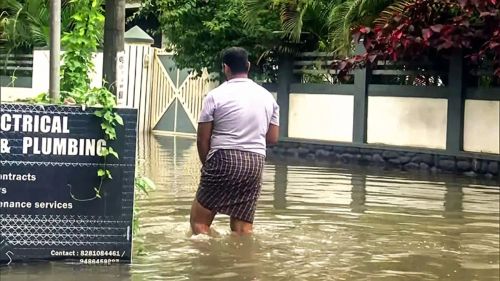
x: 236, y: 58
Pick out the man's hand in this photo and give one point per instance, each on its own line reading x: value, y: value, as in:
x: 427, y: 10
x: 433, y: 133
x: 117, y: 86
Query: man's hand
x: 203, y: 140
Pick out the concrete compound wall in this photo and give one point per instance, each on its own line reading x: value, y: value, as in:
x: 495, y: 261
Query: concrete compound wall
x: 482, y: 126
x: 378, y: 117
x: 41, y: 71
x: 322, y: 117
x: 396, y: 121
x: 402, y: 121
x: 40, y: 79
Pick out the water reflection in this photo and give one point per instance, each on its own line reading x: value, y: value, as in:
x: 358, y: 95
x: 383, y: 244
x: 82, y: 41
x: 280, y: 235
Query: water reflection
x: 358, y: 193
x: 50, y: 271
x: 230, y: 257
x: 453, y: 201
x: 312, y: 223
x: 280, y: 183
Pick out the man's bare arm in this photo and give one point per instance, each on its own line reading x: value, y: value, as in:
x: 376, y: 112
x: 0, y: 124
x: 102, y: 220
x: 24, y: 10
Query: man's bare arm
x: 272, y: 135
x: 203, y: 140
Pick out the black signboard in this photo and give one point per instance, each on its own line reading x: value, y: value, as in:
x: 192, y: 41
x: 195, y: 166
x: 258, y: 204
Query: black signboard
x: 48, y: 208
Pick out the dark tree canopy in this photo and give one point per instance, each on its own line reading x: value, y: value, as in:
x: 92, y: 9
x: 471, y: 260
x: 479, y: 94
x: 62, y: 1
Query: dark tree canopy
x: 198, y: 30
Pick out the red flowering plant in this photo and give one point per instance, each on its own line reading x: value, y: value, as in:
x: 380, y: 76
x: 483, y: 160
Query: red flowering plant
x: 414, y: 29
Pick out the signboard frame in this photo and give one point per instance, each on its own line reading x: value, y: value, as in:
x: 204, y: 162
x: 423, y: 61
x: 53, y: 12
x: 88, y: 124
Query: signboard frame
x: 49, y: 158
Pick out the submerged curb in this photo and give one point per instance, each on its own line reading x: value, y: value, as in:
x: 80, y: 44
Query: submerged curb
x: 468, y: 164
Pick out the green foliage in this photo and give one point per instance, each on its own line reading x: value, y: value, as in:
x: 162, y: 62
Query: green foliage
x: 198, y: 30
x: 42, y: 98
x: 294, y: 17
x: 80, y: 45
x: 345, y: 16
x: 24, y: 24
x: 420, y: 29
x: 110, y: 119
x: 328, y: 23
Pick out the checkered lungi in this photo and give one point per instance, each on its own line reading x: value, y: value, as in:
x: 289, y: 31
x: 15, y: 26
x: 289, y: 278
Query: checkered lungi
x: 230, y: 183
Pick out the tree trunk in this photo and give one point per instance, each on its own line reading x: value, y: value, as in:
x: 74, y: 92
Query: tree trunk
x: 114, y: 29
x: 55, y: 49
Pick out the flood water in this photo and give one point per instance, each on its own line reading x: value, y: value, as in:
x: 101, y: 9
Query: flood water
x: 312, y: 223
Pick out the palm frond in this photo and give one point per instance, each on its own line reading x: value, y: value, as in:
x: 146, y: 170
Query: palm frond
x: 292, y: 21
x: 388, y: 13
x: 347, y: 16
x: 25, y: 24
x: 11, y: 5
x: 340, y: 22
x: 252, y: 9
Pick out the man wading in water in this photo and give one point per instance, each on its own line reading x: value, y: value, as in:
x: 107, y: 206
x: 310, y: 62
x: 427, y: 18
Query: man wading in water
x: 237, y: 120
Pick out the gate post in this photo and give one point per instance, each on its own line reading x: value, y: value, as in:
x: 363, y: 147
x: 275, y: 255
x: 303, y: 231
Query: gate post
x: 136, y: 75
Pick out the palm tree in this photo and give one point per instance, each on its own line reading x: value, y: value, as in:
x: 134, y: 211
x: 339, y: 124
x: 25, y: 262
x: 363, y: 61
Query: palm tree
x: 330, y: 21
x: 300, y: 25
x: 24, y: 24
x: 296, y: 17
x: 347, y: 15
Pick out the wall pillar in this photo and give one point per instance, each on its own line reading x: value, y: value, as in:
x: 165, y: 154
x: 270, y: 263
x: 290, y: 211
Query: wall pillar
x: 285, y: 78
x: 456, y: 104
x: 361, y: 81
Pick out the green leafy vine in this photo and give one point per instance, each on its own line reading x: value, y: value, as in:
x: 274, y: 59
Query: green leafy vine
x: 80, y: 46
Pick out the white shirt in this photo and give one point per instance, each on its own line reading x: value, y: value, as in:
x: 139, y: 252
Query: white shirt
x: 241, y: 111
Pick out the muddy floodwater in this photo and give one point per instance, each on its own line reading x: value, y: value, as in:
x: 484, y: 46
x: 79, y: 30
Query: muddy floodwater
x: 312, y: 223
